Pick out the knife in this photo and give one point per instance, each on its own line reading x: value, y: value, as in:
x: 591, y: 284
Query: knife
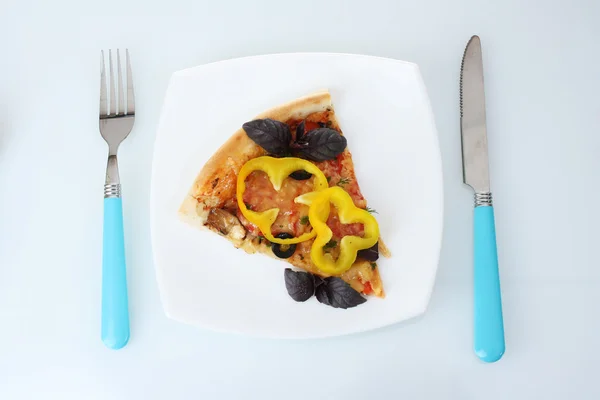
x: 488, y: 323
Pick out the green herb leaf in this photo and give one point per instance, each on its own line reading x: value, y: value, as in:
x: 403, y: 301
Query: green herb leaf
x: 248, y: 206
x: 373, y: 266
x: 304, y: 220
x: 343, y: 181
x: 371, y: 210
x: 330, y: 245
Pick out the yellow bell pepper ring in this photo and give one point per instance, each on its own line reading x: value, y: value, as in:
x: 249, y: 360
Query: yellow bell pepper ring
x: 348, y: 213
x: 277, y: 169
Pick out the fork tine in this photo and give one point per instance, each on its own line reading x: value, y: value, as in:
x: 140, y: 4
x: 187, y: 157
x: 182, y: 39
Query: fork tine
x: 103, y: 99
x: 130, y: 96
x: 120, y: 89
x: 113, y: 100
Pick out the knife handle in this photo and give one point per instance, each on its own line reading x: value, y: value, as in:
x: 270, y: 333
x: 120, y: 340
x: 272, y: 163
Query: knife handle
x: 489, y: 326
x: 115, y: 309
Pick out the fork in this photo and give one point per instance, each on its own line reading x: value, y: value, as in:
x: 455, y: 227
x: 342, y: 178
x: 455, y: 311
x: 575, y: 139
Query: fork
x: 116, y: 122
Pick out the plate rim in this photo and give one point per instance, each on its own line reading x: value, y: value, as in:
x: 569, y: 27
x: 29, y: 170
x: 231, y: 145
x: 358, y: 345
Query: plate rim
x: 295, y: 53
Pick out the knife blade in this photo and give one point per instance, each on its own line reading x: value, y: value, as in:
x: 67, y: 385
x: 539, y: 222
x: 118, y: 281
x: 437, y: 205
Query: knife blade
x: 472, y: 119
x: 488, y: 323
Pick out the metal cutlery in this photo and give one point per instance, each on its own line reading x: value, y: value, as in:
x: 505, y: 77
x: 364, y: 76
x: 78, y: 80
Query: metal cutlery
x: 488, y: 322
x: 117, y: 115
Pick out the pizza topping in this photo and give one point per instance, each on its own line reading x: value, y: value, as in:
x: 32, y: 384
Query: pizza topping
x: 316, y: 144
x: 330, y: 291
x: 320, y: 144
x: 318, y: 280
x: 348, y: 213
x: 300, y: 285
x: 307, y: 126
x: 283, y: 250
x: 273, y: 136
x: 321, y: 295
x: 262, y: 196
x: 330, y: 245
x: 338, y: 294
x: 277, y: 170
x: 368, y: 288
x: 370, y: 254
x: 300, y: 175
x: 339, y: 229
x: 343, y: 181
x: 300, y: 129
x: 225, y: 223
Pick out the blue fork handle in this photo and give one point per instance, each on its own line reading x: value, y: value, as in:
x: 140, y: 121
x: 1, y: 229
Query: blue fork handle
x: 489, y: 326
x: 115, y: 309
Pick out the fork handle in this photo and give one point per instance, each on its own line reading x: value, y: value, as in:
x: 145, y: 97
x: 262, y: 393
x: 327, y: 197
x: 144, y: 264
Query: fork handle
x: 115, y: 309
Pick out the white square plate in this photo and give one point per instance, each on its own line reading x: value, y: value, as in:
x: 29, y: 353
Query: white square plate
x: 384, y: 112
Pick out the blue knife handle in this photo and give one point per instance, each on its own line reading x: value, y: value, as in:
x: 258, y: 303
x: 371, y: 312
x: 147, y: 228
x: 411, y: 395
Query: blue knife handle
x: 115, y: 309
x: 489, y: 326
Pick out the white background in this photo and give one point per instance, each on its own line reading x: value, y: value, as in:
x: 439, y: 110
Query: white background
x: 542, y: 67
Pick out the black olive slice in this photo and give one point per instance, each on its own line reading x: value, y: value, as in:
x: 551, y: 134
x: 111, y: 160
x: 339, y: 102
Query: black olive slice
x: 283, y: 250
x: 300, y: 175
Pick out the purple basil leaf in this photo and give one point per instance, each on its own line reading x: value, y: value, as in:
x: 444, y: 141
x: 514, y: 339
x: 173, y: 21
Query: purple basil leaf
x: 300, y: 285
x: 320, y: 144
x: 318, y: 280
x: 339, y: 293
x: 321, y: 294
x: 300, y: 130
x: 273, y: 136
x: 370, y: 254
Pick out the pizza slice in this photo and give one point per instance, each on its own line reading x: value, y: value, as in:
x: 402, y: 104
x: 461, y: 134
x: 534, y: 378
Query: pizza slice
x: 284, y: 185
